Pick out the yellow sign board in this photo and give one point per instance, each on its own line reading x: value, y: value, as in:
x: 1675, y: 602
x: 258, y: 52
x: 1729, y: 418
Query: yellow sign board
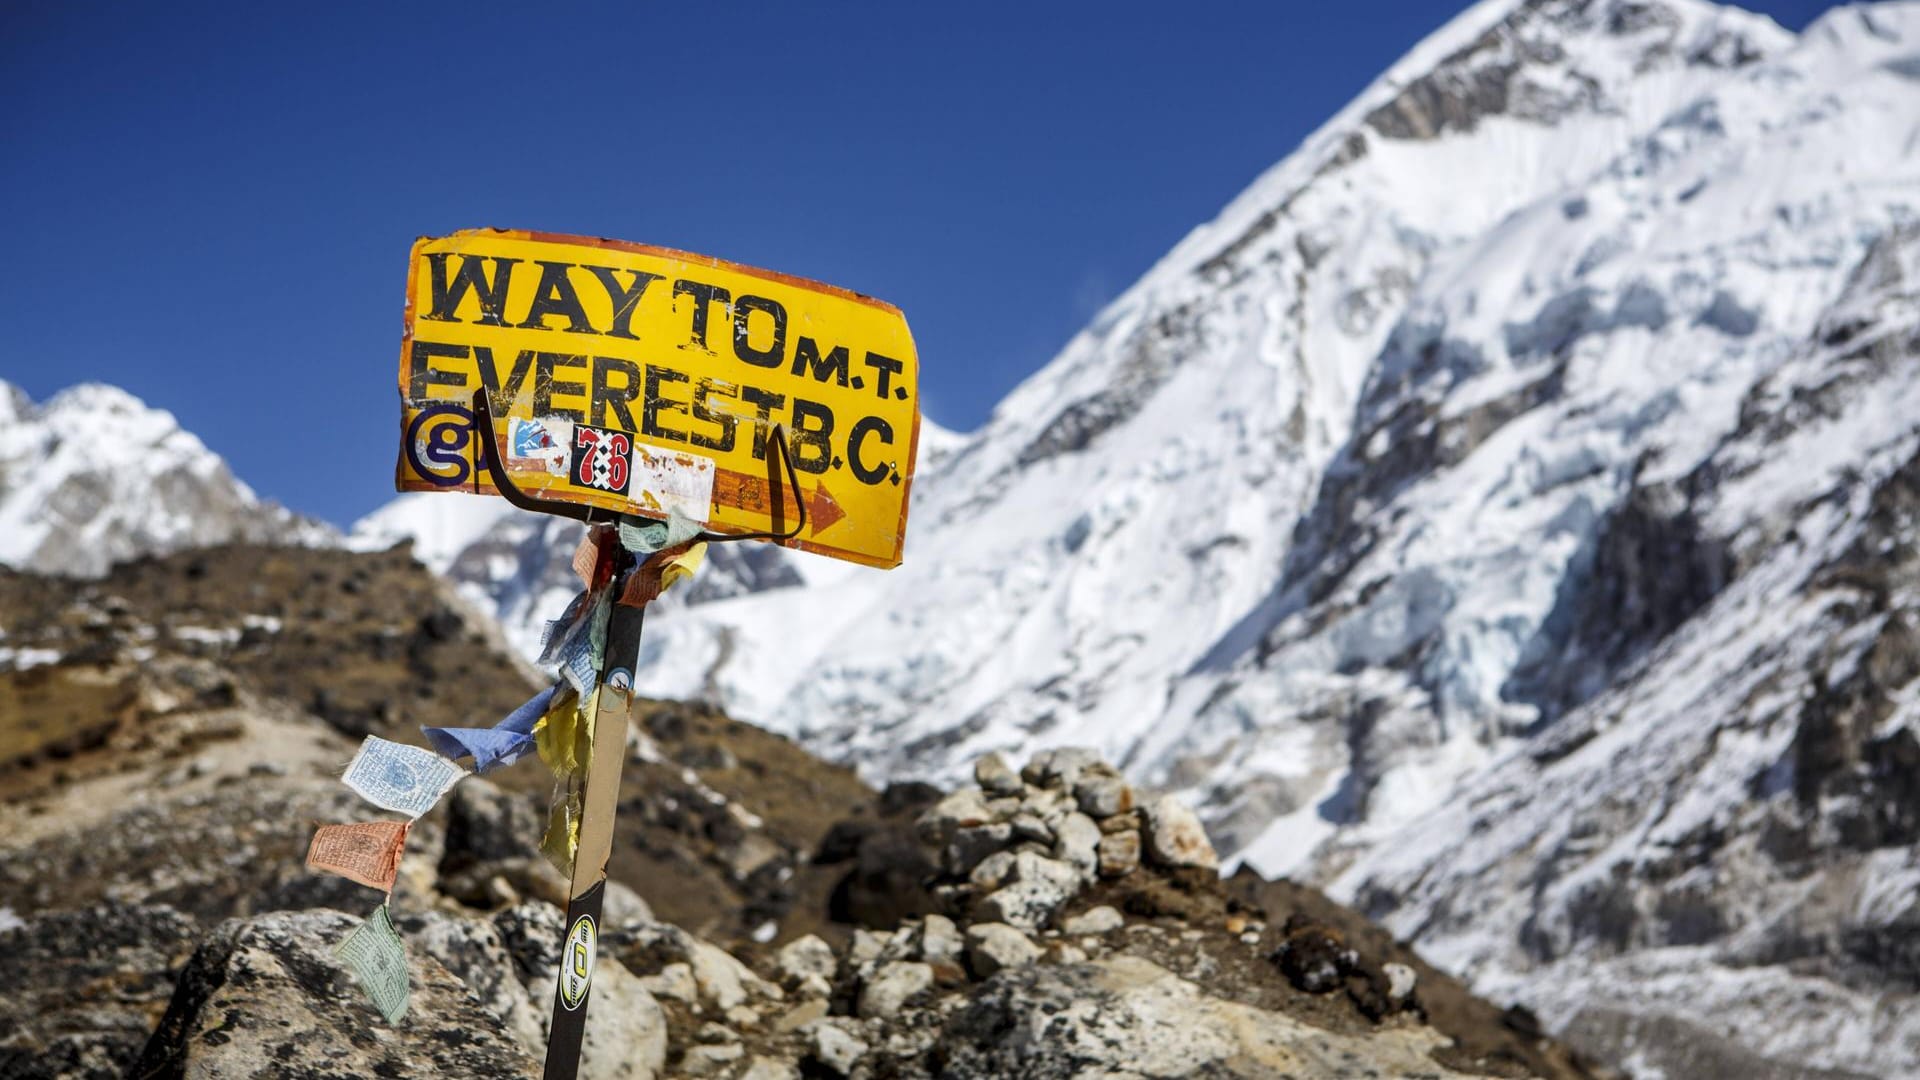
x: 644, y: 380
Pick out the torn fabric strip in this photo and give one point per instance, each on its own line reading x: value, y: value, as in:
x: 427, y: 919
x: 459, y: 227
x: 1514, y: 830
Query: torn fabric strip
x: 586, y: 557
x: 559, y: 631
x: 660, y: 572
x: 502, y: 744
x: 367, y: 852
x: 394, y: 776
x: 576, y: 664
x: 564, y: 735
x: 563, y: 828
x: 644, y: 540
x: 490, y: 748
x: 597, y: 624
x: 379, y: 961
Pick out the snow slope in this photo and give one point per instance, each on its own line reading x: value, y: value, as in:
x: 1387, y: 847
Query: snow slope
x: 1497, y: 459
x: 95, y: 476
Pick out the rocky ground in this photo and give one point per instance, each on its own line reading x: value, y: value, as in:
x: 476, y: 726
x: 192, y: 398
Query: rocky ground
x: 174, y: 731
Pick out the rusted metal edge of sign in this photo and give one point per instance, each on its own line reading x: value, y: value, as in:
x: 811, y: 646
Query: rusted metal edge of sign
x: 645, y: 380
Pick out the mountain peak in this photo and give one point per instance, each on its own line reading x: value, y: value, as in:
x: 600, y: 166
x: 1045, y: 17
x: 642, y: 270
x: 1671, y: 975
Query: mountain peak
x: 95, y: 475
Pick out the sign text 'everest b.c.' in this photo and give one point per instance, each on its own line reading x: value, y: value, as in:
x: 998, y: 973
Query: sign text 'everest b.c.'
x: 647, y: 381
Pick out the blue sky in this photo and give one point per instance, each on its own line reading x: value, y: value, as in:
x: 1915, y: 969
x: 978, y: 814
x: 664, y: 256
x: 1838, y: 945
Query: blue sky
x: 212, y: 206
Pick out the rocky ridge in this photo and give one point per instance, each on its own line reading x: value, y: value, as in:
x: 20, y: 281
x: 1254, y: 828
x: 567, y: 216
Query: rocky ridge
x: 156, y: 918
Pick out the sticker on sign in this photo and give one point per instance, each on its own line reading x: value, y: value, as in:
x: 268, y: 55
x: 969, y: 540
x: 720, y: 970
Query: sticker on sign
x: 645, y: 380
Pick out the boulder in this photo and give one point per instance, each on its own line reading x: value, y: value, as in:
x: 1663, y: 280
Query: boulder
x: 1102, y: 794
x: 1175, y: 837
x: 627, y: 1036
x: 805, y: 956
x: 992, y: 947
x: 1078, y: 845
x: 833, y: 1044
x: 1059, y: 768
x: 995, y: 776
x: 940, y: 939
x: 265, y: 997
x: 1099, y: 920
x: 82, y: 987
x: 1119, y: 854
x: 1125, y: 1016
x: 964, y: 809
x: 892, y: 986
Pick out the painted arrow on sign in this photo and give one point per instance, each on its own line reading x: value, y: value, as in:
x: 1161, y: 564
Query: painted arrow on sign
x: 745, y: 492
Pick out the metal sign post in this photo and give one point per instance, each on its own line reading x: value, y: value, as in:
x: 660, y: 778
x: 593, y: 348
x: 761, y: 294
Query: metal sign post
x: 623, y: 384
x: 614, y: 707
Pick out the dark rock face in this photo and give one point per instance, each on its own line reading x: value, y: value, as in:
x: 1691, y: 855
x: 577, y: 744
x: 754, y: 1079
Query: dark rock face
x: 1864, y: 785
x: 265, y: 997
x: 887, y: 869
x: 85, y: 987
x: 1651, y: 567
x: 1153, y: 356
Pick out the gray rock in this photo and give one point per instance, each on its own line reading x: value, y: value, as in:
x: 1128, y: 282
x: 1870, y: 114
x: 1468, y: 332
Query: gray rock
x: 1099, y: 920
x: 674, y: 982
x: 1400, y: 980
x: 761, y: 1068
x: 995, y: 776
x: 622, y: 906
x: 970, y: 845
x: 486, y: 824
x: 940, y: 939
x: 474, y: 953
x: 833, y: 1045
x: 805, y: 956
x: 993, y: 871
x: 627, y: 1039
x: 1078, y: 845
x: 892, y: 986
x: 1031, y: 827
x: 1041, y: 885
x: 265, y: 997
x: 867, y: 947
x: 1102, y: 795
x: 82, y: 987
x: 1119, y: 854
x: 1124, y: 1016
x: 992, y: 947
x: 964, y: 809
x: 712, y: 1060
x: 1175, y: 837
x: 1059, y: 768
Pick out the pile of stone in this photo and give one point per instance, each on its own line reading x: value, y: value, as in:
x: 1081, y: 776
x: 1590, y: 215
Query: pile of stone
x: 1021, y: 845
x: 1032, y: 966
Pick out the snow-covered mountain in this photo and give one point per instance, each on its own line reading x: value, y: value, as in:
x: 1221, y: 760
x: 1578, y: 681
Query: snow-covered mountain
x: 95, y: 476
x: 1502, y: 512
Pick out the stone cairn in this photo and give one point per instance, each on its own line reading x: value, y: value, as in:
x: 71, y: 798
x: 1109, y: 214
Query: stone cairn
x: 1014, y: 852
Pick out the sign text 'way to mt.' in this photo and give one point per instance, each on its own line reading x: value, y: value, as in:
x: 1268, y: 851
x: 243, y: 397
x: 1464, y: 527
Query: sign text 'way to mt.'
x: 645, y: 380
